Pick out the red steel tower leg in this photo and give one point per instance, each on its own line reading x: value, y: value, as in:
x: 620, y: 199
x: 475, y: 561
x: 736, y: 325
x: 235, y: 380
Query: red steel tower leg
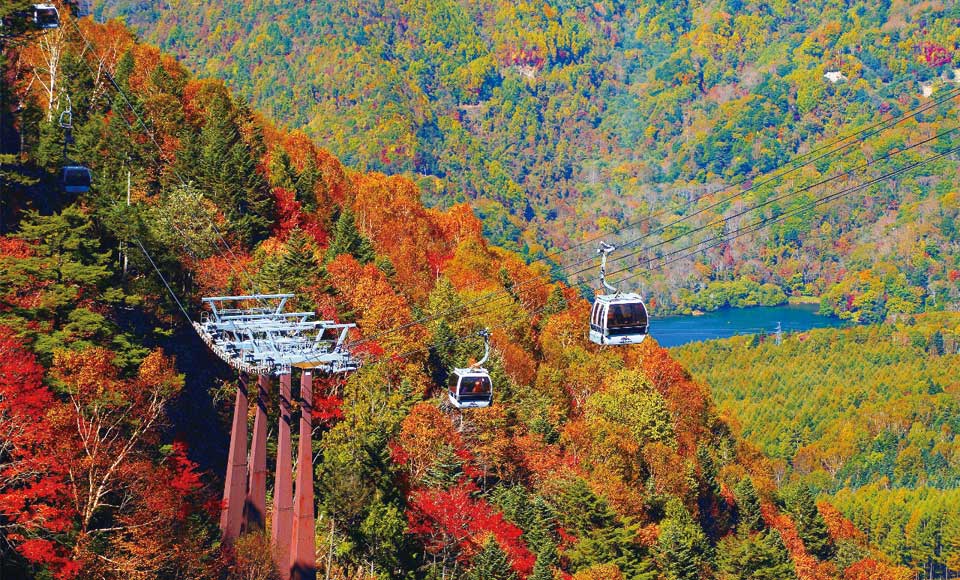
x: 234, y: 490
x: 255, y: 508
x: 303, y: 555
x: 283, y: 486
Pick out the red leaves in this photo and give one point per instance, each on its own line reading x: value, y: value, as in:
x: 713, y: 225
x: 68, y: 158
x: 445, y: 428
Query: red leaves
x: 935, y: 55
x: 290, y: 216
x: 222, y: 274
x: 327, y: 409
x: 47, y: 553
x: 33, y: 495
x: 451, y: 521
x: 21, y: 391
x: 186, y: 480
x: 15, y: 248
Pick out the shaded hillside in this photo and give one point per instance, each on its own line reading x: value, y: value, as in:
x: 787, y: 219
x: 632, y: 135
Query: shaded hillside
x: 597, y: 463
x: 867, y: 414
x: 560, y: 119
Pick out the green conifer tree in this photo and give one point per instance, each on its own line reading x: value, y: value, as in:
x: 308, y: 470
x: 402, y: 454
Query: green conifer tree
x: 299, y: 266
x: 546, y: 563
x: 294, y: 270
x: 306, y: 185
x: 67, y: 265
x: 258, y: 206
x: 491, y: 564
x: 348, y: 240
x: 445, y: 470
x: 683, y: 548
x: 542, y: 528
x: 936, y: 344
x: 556, y: 302
x: 125, y: 68
x: 604, y: 538
x: 541, y: 539
x: 282, y: 173
x: 748, y: 507
x: 228, y: 172
x: 754, y: 557
x: 810, y: 525
x: 444, y: 341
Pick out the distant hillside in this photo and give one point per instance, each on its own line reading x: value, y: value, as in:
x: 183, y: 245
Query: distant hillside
x: 869, y: 414
x: 560, y: 119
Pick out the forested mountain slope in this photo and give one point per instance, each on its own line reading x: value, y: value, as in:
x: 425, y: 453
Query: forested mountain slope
x: 557, y: 119
x: 593, y: 463
x: 869, y: 415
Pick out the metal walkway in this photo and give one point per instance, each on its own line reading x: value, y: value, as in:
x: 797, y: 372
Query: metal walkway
x: 255, y: 335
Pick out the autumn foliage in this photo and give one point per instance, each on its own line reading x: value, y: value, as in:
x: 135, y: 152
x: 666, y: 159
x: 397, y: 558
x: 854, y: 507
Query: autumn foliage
x: 593, y: 463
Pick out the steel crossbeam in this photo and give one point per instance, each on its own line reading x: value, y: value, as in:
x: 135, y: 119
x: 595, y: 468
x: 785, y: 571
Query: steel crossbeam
x: 262, y: 339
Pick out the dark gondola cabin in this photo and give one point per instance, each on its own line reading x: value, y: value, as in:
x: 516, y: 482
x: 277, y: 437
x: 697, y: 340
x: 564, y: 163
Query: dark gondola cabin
x: 76, y: 179
x: 618, y: 319
x: 46, y: 16
x: 470, y: 388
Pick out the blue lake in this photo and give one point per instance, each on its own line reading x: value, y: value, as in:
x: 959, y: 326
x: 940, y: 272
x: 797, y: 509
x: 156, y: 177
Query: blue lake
x: 676, y: 330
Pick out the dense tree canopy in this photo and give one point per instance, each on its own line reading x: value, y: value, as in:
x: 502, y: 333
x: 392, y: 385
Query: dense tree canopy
x: 595, y: 463
x: 557, y: 120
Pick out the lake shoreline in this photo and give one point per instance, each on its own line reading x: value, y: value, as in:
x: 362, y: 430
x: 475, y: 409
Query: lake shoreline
x: 677, y: 330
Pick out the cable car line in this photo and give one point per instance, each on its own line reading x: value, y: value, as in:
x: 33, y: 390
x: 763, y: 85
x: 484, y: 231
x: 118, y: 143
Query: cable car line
x: 150, y: 134
x: 862, y: 134
x: 498, y: 295
x: 833, y: 148
x: 695, y: 248
x: 162, y: 278
x: 866, y: 133
x: 772, y: 200
x: 756, y: 226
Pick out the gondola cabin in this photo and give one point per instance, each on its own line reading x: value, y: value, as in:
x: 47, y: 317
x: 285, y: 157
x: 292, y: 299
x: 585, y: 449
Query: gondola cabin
x: 470, y: 388
x: 46, y: 16
x: 618, y: 319
x: 76, y: 179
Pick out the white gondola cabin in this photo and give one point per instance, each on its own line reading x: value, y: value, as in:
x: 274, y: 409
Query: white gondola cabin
x: 46, y: 16
x: 617, y: 318
x: 472, y: 388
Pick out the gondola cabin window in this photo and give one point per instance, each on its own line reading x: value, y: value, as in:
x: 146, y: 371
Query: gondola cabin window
x: 468, y: 388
